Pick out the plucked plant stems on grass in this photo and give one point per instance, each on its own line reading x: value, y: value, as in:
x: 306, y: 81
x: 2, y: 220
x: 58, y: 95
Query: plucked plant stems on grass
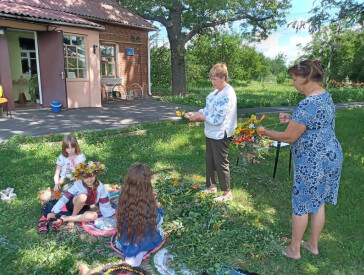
x: 246, y: 233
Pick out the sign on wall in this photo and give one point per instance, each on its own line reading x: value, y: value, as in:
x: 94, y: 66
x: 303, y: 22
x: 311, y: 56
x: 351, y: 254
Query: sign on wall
x: 129, y: 51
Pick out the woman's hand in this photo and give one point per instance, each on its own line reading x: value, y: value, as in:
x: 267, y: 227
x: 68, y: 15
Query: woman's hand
x: 195, y: 116
x: 189, y: 115
x: 284, y: 117
x: 261, y: 131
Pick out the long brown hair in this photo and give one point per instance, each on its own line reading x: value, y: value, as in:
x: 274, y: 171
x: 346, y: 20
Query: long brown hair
x: 70, y: 140
x: 136, y: 211
x: 310, y: 69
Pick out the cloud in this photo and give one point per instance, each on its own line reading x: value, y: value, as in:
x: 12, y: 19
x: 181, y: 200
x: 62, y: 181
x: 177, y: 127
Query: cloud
x: 284, y: 42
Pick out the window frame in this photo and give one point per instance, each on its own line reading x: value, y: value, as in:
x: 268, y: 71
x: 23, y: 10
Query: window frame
x: 28, y: 58
x: 115, y: 75
x: 77, y: 57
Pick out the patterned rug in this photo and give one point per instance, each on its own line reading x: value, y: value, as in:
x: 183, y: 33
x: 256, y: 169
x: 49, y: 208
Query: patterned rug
x: 120, y: 269
x: 104, y: 226
x: 160, y: 262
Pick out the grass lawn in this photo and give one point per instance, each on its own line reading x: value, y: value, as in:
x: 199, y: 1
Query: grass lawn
x: 257, y: 94
x: 247, y: 233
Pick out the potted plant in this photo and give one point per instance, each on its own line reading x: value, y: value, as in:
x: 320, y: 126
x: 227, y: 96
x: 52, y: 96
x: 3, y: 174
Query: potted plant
x: 33, y: 88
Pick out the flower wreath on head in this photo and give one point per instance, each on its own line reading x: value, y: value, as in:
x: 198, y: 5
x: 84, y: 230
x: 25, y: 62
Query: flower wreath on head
x: 83, y: 169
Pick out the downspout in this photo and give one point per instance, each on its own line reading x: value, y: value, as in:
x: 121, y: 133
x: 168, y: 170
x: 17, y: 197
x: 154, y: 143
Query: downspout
x: 149, y: 84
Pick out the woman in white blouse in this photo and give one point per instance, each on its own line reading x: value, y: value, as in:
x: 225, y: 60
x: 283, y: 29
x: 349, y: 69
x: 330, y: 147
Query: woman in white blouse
x: 220, y: 118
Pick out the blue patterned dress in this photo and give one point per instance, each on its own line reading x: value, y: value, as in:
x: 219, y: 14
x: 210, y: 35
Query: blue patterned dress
x: 317, y: 155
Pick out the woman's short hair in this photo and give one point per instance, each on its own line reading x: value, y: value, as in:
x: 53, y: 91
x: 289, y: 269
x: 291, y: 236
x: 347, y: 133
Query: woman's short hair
x: 310, y: 69
x: 219, y: 70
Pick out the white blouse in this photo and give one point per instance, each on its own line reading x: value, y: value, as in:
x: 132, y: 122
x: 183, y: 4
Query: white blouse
x: 68, y: 166
x: 221, y: 113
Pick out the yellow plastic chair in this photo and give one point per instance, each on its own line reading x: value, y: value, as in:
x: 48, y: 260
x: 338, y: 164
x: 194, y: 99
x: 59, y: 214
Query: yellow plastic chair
x: 4, y: 100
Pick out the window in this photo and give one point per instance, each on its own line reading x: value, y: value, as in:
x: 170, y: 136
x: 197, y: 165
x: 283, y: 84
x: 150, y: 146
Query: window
x: 75, y: 56
x: 28, y: 56
x: 108, y: 60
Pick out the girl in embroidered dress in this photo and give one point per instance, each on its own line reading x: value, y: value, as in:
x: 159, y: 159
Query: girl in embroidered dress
x: 66, y: 162
x: 139, y: 216
x: 85, y: 192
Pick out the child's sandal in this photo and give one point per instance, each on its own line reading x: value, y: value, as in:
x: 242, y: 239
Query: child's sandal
x: 43, y: 225
x: 56, y: 225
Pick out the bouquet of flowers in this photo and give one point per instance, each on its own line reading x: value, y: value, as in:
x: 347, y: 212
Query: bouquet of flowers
x: 181, y: 114
x: 247, y: 140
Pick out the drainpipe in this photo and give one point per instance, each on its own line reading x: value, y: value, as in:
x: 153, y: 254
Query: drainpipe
x: 149, y: 85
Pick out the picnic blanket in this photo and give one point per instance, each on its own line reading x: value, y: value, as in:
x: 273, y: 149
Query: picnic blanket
x: 104, y: 226
x: 161, y: 259
x: 113, y: 269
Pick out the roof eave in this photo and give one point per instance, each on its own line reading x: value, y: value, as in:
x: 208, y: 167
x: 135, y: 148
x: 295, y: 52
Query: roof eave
x: 46, y: 21
x: 119, y: 23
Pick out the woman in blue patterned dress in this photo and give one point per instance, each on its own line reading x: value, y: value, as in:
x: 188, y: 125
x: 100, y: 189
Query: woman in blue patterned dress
x: 317, y: 155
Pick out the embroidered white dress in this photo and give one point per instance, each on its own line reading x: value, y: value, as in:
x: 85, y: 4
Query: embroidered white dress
x: 77, y: 189
x: 68, y: 166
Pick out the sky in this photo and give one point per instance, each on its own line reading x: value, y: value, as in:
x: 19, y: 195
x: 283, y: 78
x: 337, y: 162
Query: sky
x: 284, y: 40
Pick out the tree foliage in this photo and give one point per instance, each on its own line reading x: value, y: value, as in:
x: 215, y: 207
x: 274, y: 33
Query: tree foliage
x: 243, y: 62
x: 346, y: 13
x: 183, y: 19
x: 160, y: 60
x: 348, y: 57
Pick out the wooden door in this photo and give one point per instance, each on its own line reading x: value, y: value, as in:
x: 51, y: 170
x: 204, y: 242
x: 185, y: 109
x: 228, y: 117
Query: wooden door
x: 51, y: 66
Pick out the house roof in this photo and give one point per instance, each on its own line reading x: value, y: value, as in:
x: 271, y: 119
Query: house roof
x: 95, y: 10
x: 29, y: 13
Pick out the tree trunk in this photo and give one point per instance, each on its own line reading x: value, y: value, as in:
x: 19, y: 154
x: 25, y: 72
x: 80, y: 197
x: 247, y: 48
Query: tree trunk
x: 177, y: 40
x: 178, y: 69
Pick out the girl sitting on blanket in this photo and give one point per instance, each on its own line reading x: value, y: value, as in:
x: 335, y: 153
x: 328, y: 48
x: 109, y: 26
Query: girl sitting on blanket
x: 66, y: 162
x: 85, y: 192
x: 139, y: 216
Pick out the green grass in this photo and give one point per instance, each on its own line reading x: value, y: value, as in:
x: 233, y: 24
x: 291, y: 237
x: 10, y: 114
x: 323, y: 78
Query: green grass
x: 257, y: 94
x: 245, y: 233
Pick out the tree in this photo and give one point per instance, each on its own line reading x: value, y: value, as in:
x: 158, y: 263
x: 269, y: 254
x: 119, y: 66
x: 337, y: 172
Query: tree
x: 340, y: 15
x: 160, y: 62
x: 348, y: 56
x: 183, y: 19
x: 208, y: 49
x: 278, y: 64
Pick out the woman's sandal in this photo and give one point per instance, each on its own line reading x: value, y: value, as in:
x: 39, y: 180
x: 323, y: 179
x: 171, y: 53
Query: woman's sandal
x: 43, y: 225
x: 55, y: 224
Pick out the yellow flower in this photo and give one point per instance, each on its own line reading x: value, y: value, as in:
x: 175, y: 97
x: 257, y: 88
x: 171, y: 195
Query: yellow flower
x: 257, y: 256
x: 198, y: 177
x: 175, y: 183
x: 164, y: 201
x: 178, y: 113
x: 256, y: 220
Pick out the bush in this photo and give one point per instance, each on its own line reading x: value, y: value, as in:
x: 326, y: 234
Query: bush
x: 281, y: 78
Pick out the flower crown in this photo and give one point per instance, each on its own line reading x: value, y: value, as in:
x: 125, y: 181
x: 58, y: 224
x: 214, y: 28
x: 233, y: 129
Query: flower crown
x: 91, y: 168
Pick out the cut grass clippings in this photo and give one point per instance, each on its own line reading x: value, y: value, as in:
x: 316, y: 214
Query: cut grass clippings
x: 246, y: 233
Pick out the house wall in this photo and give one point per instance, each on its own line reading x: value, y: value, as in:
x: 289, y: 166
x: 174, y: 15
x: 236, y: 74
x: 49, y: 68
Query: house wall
x: 132, y: 68
x: 85, y: 92
x: 20, y: 80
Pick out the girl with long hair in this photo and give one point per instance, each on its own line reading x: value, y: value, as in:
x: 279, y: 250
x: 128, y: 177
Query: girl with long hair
x: 139, y: 216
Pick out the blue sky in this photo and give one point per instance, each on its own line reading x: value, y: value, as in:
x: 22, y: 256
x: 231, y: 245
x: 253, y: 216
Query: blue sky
x: 284, y: 40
